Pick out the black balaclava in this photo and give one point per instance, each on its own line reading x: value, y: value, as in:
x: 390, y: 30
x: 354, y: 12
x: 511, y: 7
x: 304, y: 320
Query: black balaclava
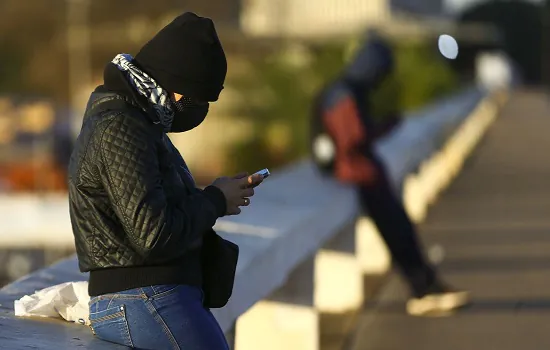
x: 186, y: 57
x: 372, y: 63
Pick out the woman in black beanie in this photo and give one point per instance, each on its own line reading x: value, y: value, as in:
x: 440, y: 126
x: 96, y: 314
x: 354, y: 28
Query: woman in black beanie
x: 142, y: 229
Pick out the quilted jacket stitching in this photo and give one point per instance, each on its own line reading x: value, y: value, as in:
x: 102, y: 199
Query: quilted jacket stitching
x: 116, y: 196
x: 84, y: 154
x: 92, y: 239
x: 93, y: 245
x: 113, y: 244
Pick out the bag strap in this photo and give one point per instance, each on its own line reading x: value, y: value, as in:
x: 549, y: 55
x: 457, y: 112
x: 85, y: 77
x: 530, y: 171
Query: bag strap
x: 107, y: 102
x: 111, y: 101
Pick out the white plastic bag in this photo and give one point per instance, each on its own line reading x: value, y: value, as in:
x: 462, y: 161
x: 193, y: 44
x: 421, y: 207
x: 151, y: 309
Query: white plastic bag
x: 67, y: 300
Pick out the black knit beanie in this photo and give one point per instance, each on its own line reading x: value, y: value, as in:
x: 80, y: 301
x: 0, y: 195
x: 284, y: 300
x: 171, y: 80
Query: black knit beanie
x: 186, y: 57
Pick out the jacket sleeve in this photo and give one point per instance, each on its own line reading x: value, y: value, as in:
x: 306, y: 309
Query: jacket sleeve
x: 344, y: 125
x: 157, y: 229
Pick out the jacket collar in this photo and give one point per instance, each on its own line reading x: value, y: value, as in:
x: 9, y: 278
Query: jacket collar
x: 102, y: 99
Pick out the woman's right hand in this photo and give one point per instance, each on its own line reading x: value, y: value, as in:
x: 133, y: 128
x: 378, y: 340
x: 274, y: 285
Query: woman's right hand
x: 237, y: 191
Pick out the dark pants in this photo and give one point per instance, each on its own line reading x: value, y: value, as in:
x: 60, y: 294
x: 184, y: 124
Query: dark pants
x: 387, y: 212
x: 157, y: 317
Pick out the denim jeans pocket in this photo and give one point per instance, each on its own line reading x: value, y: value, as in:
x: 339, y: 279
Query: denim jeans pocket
x: 164, y: 289
x: 110, y: 324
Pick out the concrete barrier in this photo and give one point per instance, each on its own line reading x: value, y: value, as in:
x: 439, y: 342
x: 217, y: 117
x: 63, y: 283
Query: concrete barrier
x: 302, y: 250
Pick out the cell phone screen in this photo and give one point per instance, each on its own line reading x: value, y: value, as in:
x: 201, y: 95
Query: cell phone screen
x: 264, y: 172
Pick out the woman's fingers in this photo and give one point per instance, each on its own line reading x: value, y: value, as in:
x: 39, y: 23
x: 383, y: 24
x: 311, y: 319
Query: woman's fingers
x: 242, y: 175
x: 247, y: 192
x: 255, y: 180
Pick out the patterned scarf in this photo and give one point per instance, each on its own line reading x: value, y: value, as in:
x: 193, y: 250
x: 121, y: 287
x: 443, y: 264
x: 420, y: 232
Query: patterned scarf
x: 147, y: 87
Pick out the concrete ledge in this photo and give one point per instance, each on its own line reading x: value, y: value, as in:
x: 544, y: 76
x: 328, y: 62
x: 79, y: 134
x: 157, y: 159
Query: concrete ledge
x: 302, y: 252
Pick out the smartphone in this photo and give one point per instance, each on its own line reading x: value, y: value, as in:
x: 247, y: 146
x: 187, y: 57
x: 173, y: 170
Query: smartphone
x: 264, y: 172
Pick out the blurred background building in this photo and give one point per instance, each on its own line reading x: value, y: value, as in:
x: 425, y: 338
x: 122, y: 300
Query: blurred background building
x: 52, y: 55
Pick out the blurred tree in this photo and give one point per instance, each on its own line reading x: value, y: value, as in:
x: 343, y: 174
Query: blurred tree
x: 11, y: 65
x: 277, y: 97
x: 33, y: 46
x: 421, y: 75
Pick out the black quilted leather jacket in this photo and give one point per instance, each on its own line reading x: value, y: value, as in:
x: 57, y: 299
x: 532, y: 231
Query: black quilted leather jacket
x: 133, y: 202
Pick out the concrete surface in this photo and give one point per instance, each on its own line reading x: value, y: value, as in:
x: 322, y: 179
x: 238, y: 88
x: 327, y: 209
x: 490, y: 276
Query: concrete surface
x: 494, y: 226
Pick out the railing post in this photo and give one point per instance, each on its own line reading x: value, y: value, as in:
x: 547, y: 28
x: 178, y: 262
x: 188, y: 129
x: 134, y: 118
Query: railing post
x: 286, y: 320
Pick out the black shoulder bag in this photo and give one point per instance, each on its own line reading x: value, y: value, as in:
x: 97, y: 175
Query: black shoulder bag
x: 219, y: 265
x: 218, y: 257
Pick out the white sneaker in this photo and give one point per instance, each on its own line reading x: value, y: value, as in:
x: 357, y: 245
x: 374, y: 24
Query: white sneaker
x: 437, y: 303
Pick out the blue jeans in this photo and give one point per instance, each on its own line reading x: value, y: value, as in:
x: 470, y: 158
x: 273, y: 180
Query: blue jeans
x: 157, y: 317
